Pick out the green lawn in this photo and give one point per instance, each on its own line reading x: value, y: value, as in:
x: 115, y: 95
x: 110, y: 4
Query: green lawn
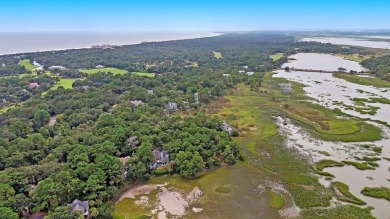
x: 115, y: 71
x: 151, y: 75
x: 4, y: 109
x: 27, y: 64
x: 64, y: 82
x: 276, y: 56
x: 353, y: 57
x: 217, y: 55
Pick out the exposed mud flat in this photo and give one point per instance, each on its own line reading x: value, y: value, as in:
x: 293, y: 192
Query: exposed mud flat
x: 170, y: 203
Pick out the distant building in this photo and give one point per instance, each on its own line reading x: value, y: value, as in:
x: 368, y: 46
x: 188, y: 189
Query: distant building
x: 241, y: 71
x: 85, y: 87
x: 56, y: 67
x: 171, y: 106
x: 82, y: 206
x: 33, y: 85
x: 137, y: 102
x: 104, y: 46
x: 150, y: 91
x: 226, y: 127
x: 196, y: 95
x: 99, y: 66
x: 250, y: 73
x: 3, y: 65
x: 4, y: 100
x: 226, y: 75
x: 162, y: 159
x: 186, y: 105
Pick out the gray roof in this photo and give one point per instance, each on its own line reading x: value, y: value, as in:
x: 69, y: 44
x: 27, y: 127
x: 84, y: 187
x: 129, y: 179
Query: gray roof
x: 171, y: 106
x: 78, y: 205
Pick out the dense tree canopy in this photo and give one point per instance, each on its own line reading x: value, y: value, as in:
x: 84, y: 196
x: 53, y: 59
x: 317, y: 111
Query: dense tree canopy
x: 46, y: 166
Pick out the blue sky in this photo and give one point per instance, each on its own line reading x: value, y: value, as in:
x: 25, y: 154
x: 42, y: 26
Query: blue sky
x: 191, y: 16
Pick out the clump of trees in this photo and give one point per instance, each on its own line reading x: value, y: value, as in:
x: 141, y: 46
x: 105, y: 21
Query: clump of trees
x: 380, y: 66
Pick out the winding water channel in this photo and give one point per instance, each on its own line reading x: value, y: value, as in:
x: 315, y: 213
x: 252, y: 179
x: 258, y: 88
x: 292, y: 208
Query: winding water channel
x: 331, y: 92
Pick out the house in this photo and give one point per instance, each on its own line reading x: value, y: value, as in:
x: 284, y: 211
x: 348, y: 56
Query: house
x: 186, y: 105
x: 133, y: 141
x: 162, y: 159
x: 250, y: 73
x: 56, y: 67
x: 226, y: 127
x: 226, y: 75
x: 150, y: 91
x: 99, y: 66
x: 241, y: 71
x: 33, y: 85
x: 196, y: 95
x: 4, y: 100
x: 85, y: 87
x: 3, y: 65
x: 137, y: 102
x: 82, y: 206
x: 171, y: 106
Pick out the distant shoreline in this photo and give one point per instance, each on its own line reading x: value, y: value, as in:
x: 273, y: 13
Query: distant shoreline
x: 25, y: 43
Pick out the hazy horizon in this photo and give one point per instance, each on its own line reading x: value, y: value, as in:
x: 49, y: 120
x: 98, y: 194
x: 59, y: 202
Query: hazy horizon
x: 191, y: 16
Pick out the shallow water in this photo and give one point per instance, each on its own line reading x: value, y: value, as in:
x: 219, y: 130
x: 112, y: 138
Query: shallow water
x: 319, y: 61
x: 338, y: 151
x: 325, y: 90
x: 11, y: 43
x: 350, y: 41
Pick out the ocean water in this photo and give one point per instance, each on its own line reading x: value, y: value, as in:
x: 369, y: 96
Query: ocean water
x: 12, y: 43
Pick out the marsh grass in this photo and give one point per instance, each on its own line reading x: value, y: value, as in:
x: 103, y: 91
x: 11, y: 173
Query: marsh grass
x: 378, y: 192
x: 376, y: 82
x: 360, y: 166
x: 321, y: 165
x: 346, y: 195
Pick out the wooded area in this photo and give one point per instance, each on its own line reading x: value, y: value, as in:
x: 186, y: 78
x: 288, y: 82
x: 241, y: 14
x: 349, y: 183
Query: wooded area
x: 45, y: 167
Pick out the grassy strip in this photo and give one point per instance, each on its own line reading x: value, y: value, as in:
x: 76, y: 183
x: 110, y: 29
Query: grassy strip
x: 322, y: 119
x: 381, y: 192
x: 217, y: 55
x: 276, y: 56
x: 360, y: 166
x: 277, y: 201
x: 373, y: 100
x: 376, y: 82
x: 151, y: 75
x: 353, y: 57
x: 340, y: 211
x: 64, y: 82
x: 5, y: 109
x: 323, y: 173
x: 346, y: 195
x: 370, y: 133
x: 321, y: 165
x: 370, y: 159
x: 115, y: 71
x: 27, y: 64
